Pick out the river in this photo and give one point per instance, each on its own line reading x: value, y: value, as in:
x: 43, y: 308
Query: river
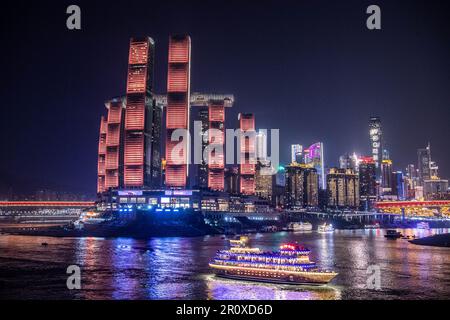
x: 177, y: 268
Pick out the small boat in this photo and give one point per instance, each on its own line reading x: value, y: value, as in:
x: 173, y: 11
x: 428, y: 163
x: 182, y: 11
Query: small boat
x: 393, y: 234
x: 326, y: 228
x: 423, y: 225
x: 44, y: 244
x: 299, y: 226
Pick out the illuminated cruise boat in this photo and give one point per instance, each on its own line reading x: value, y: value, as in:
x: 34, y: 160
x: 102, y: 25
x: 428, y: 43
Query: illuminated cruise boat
x: 290, y: 265
x: 326, y: 228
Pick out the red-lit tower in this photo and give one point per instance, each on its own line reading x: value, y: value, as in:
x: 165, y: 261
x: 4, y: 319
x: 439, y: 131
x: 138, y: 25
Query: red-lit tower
x: 142, y: 164
x: 216, y: 165
x: 247, y: 153
x: 101, y: 156
x: 177, y: 116
x: 114, y: 159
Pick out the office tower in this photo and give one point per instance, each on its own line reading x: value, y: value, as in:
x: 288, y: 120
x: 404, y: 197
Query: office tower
x: 343, y: 188
x: 177, y: 115
x: 386, y: 175
x: 142, y: 163
x: 216, y: 163
x: 314, y: 157
x: 423, y: 163
x: 210, y: 111
x: 296, y: 153
x: 411, y: 171
x: 261, y: 145
x: 101, y: 156
x: 376, y: 135
x: 114, y: 143
x: 367, y: 181
x: 399, y: 185
x: 247, y: 153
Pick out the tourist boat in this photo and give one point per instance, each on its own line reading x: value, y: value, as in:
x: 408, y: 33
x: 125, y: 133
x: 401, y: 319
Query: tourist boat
x: 289, y: 265
x: 393, y: 234
x: 423, y: 225
x: 326, y: 228
x: 299, y: 226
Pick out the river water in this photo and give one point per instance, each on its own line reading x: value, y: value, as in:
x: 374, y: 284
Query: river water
x: 177, y: 268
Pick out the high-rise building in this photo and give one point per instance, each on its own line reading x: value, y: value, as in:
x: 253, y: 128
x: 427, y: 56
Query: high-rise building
x: 261, y: 145
x: 398, y: 185
x: 296, y: 153
x: 302, y: 186
x: 376, y: 135
x: 129, y: 145
x: 142, y: 159
x: 264, y: 183
x: 367, y: 181
x: 348, y: 161
x: 386, y: 176
x: 216, y: 163
x: 343, y: 188
x: 423, y: 163
x: 101, y: 156
x: 177, y: 114
x: 247, y: 153
x: 114, y: 143
x: 314, y: 156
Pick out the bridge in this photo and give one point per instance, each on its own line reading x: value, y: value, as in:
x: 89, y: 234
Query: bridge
x: 425, y: 209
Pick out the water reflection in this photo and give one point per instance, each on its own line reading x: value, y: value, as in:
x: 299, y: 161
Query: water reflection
x: 177, y: 268
x: 226, y: 289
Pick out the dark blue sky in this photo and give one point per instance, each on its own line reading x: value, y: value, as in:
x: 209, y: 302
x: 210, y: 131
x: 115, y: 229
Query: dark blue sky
x: 310, y: 68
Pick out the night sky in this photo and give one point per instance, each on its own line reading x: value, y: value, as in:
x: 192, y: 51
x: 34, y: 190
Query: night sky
x: 310, y: 68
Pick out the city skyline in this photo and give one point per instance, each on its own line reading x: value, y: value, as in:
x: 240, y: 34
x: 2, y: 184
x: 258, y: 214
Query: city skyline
x: 77, y: 152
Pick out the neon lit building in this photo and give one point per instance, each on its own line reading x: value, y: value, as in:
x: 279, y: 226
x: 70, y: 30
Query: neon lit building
x: 314, y: 157
x: 177, y: 114
x: 129, y: 144
x: 101, y: 156
x: 114, y: 144
x: 376, y: 134
x: 142, y: 164
x: 247, y: 153
x: 210, y: 110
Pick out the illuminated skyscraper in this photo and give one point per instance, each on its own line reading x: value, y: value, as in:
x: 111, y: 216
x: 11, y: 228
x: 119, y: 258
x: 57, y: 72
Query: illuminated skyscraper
x: 129, y: 146
x: 101, y: 156
x: 424, y: 163
x: 210, y: 111
x: 177, y: 115
x: 114, y: 143
x: 376, y: 135
x: 314, y: 157
x: 296, y: 153
x: 367, y: 181
x: 302, y: 186
x: 142, y: 159
x: 343, y: 188
x: 386, y: 176
x: 247, y: 153
x: 261, y: 145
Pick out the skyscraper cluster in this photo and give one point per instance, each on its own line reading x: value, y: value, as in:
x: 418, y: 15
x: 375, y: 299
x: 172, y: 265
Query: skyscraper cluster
x: 131, y: 154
